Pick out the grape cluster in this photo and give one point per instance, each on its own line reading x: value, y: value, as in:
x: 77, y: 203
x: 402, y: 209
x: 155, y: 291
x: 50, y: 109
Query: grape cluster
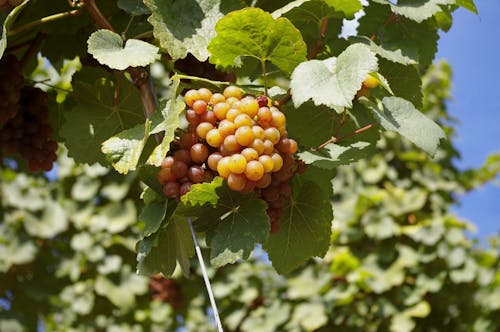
x: 28, y: 133
x: 10, y: 87
x: 240, y: 138
x: 166, y: 290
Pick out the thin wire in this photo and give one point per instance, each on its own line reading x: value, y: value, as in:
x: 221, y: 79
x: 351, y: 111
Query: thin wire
x: 205, y: 277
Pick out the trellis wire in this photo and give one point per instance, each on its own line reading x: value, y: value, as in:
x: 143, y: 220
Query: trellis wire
x: 205, y: 278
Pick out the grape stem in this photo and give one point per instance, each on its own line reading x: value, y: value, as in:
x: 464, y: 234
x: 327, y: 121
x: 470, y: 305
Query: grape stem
x: 43, y: 20
x: 201, y: 79
x: 335, y: 139
x: 319, y: 42
x: 264, y: 75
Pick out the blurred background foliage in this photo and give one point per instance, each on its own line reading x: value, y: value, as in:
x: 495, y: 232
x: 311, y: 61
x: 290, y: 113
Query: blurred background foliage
x: 399, y: 259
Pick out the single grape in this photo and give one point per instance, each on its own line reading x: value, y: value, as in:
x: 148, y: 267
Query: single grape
x: 167, y: 162
x: 200, y: 106
x: 191, y: 96
x: 284, y: 146
x: 192, y: 117
x: 214, y: 138
x: 231, y: 144
x: 370, y: 82
x: 263, y: 101
x: 236, y: 182
x: 165, y: 175
x: 242, y: 120
x: 244, y: 135
x: 221, y: 109
x: 232, y: 101
x: 199, y: 153
x: 264, y: 182
x: 254, y: 170
x: 196, y: 174
x: 185, y: 188
x: 278, y: 162
x: 258, y: 132
x: 268, y: 147
x: 205, y: 94
x: 213, y: 160
x: 250, y: 106
x: 294, y: 147
x: 250, y: 154
x: 278, y: 118
x: 267, y: 162
x: 187, y: 140
x: 226, y: 128
x: 258, y: 145
x: 217, y: 98
x: 233, y: 91
x: 272, y: 134
x: 232, y: 114
x: 179, y: 169
x: 183, y: 155
x: 171, y: 189
x: 209, y: 116
x: 237, y: 164
x: 203, y: 128
x: 223, y: 167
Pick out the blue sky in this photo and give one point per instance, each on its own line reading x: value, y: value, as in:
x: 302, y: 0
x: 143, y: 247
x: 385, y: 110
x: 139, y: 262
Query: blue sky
x: 472, y: 47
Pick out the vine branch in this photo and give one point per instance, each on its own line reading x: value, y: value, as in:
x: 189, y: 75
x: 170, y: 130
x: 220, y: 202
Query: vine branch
x: 319, y: 42
x: 44, y: 20
x: 335, y: 139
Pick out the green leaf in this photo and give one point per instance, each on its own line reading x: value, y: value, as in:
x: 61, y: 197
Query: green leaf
x: 98, y: 114
x: 311, y: 125
x: 399, y: 115
x: 348, y: 7
x: 203, y: 193
x: 7, y: 23
x: 107, y: 47
x: 334, y: 81
x: 171, y: 114
x: 239, y: 230
x: 152, y: 216
x: 467, y: 4
x: 417, y: 10
x: 405, y: 81
x: 133, y: 7
x: 394, y: 53
x: 52, y: 222
x: 124, y: 149
x: 184, y: 27
x: 251, y: 32
x: 305, y: 228
x: 159, y: 252
x: 329, y: 8
x: 149, y: 175
x: 334, y: 155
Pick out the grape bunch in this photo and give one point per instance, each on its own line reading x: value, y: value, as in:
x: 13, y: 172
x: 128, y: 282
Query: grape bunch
x: 10, y: 87
x: 28, y: 133
x: 240, y: 138
x: 166, y: 290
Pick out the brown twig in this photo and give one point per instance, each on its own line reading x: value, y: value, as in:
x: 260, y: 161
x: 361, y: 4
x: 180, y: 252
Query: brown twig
x: 319, y: 42
x: 358, y: 131
x: 283, y: 100
x: 391, y: 18
x: 44, y: 20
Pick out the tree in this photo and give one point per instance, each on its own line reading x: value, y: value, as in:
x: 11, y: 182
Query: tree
x: 396, y: 259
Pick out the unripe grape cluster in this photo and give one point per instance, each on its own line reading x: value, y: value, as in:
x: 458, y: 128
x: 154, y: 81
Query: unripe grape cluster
x: 240, y: 138
x: 10, y: 87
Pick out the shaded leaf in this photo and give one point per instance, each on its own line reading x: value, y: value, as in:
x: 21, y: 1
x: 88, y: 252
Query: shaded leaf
x: 334, y: 155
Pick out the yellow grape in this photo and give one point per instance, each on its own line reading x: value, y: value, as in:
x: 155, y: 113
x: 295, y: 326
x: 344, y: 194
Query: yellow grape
x: 268, y: 147
x: 250, y: 154
x: 233, y: 91
x: 254, y: 170
x: 226, y: 128
x: 250, y: 106
x: 244, y: 135
x: 273, y: 135
x: 258, y: 145
x: 203, y: 128
x: 278, y: 162
x: 214, y: 138
x: 258, y: 132
x: 231, y: 144
x: 220, y: 110
x: 223, y: 167
x: 237, y: 164
x: 278, y: 118
x: 217, y: 98
x: 232, y: 114
x: 213, y: 160
x: 205, y: 94
x: 242, y: 120
x: 236, y: 182
x: 267, y: 162
x: 191, y: 96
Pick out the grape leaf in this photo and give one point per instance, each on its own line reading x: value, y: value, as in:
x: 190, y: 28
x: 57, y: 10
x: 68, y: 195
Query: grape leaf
x: 152, y: 216
x: 467, y: 4
x: 305, y: 228
x: 239, y: 230
x: 97, y: 115
x: 417, y: 10
x: 107, y: 47
x: 6, y: 23
x: 171, y: 113
x: 329, y: 8
x: 334, y: 155
x: 251, y: 32
x: 149, y: 175
x: 234, y: 222
x: 124, y: 149
x: 311, y: 125
x: 133, y: 7
x: 159, y: 252
x: 405, y: 81
x: 334, y: 81
x: 184, y: 27
x: 399, y: 115
x: 394, y: 53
